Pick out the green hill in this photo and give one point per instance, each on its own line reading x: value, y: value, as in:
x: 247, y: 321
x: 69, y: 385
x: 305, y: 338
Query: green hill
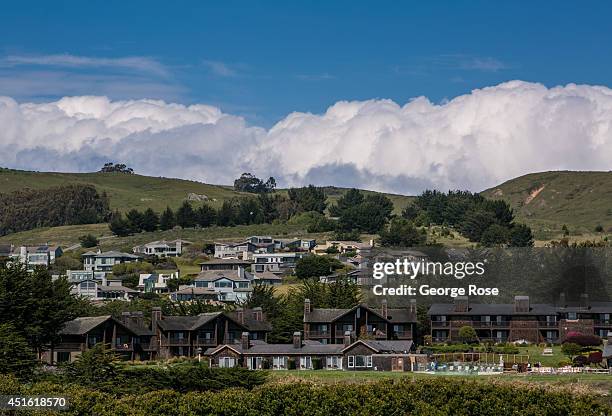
x: 125, y: 191
x: 546, y: 201
x: 141, y: 192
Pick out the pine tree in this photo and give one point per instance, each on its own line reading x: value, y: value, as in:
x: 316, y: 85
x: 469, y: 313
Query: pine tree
x: 150, y: 220
x: 119, y: 226
x: 16, y: 356
x: 186, y: 216
x: 167, y: 220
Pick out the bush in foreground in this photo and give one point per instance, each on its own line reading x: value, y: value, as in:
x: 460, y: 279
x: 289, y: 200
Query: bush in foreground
x: 435, y: 397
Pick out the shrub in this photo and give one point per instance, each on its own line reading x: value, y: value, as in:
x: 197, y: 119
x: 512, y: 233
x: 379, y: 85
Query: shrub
x: 580, y: 361
x: 583, y: 340
x: 595, y: 357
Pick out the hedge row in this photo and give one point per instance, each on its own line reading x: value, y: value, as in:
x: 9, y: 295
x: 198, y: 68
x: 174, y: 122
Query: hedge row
x: 433, y: 397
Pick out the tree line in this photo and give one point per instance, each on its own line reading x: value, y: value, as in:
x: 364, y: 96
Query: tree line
x: 61, y: 205
x: 481, y: 220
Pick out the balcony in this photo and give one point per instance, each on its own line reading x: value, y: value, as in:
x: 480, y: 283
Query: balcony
x: 602, y: 323
x: 548, y: 324
x: 126, y: 346
x: 176, y: 341
x: 148, y: 346
x: 376, y: 334
x: 318, y: 334
x: 440, y: 324
x: 491, y: 324
x: 211, y: 342
x: 69, y: 346
x: 403, y: 334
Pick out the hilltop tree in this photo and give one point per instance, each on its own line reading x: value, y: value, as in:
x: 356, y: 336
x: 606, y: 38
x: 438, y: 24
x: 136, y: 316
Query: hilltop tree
x: 135, y: 220
x: 309, y: 198
x: 250, y: 183
x: 88, y: 241
x: 167, y: 221
x: 495, y: 235
x: 357, y: 212
x: 116, y: 167
x: 351, y: 198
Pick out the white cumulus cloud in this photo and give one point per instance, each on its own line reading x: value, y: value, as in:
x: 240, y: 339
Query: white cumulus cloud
x: 473, y: 142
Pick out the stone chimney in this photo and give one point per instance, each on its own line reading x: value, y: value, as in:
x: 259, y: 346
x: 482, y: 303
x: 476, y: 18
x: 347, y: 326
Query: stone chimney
x: 412, y: 306
x: 347, y: 338
x: 138, y: 318
x: 297, y: 339
x: 384, y: 311
x: 307, y: 308
x: 258, y: 314
x: 244, y: 341
x: 156, y: 316
x: 521, y: 304
x: 462, y: 304
x: 584, y: 300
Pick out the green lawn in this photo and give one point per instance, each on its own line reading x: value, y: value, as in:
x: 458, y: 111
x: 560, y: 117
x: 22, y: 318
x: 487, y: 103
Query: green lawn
x: 535, y: 355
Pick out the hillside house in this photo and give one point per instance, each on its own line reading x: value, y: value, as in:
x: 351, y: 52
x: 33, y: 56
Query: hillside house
x: 104, y: 261
x: 155, y: 282
x: 161, y: 248
x: 36, y: 256
x: 281, y: 263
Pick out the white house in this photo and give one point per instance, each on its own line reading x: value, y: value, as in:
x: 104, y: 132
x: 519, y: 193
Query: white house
x: 231, y: 285
x: 162, y: 248
x: 95, y: 286
x: 155, y: 282
x: 104, y: 262
x: 275, y: 262
x: 33, y: 256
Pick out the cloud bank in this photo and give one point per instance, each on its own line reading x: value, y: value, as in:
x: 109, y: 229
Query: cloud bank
x: 472, y: 142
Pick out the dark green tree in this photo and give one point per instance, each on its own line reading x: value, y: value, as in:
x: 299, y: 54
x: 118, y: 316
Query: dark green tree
x: 150, y: 220
x: 135, y: 219
x: 250, y: 183
x: 186, y: 216
x: 167, y: 221
x: 226, y: 216
x: 475, y: 222
x: 315, y: 266
x: 520, y: 236
x: 88, y: 241
x: 249, y: 211
x: 119, y: 225
x: 96, y: 367
x: 309, y: 198
x: 206, y: 216
x: 35, y: 305
x: 402, y: 233
x: 16, y: 356
x: 495, y: 235
x: 351, y: 198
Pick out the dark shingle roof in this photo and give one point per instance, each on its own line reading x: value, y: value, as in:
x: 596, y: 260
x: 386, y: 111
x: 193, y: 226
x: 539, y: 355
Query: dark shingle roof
x: 400, y: 315
x: 186, y: 323
x: 491, y: 309
x: 384, y: 346
x: 80, y: 326
x: 330, y: 315
x: 284, y: 349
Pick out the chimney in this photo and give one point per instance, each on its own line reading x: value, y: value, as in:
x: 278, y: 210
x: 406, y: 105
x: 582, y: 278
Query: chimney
x: 412, y: 306
x: 347, y: 338
x: 297, y: 339
x: 156, y: 316
x: 241, y: 272
x: 521, y: 304
x: 307, y: 308
x: 258, y: 314
x: 462, y: 304
x: 244, y: 340
x: 126, y: 317
x: 584, y: 300
x: 384, y: 310
x: 240, y: 315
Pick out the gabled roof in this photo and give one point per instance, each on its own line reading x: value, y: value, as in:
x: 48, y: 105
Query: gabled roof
x: 331, y: 315
x: 195, y: 290
x: 212, y: 275
x: 284, y: 349
x: 186, y: 323
x: 80, y: 326
x: 382, y: 347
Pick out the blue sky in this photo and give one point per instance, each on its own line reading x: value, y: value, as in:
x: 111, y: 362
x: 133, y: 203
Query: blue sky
x: 263, y: 60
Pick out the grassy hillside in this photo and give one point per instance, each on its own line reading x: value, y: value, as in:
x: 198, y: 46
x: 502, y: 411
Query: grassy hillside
x: 125, y: 191
x: 546, y: 201
x: 140, y: 192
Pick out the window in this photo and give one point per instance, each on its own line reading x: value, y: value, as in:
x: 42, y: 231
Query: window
x: 63, y: 357
x: 572, y: 316
x: 306, y: 363
x: 334, y: 363
x: 255, y: 363
x: 359, y: 361
x: 227, y: 362
x: 279, y: 363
